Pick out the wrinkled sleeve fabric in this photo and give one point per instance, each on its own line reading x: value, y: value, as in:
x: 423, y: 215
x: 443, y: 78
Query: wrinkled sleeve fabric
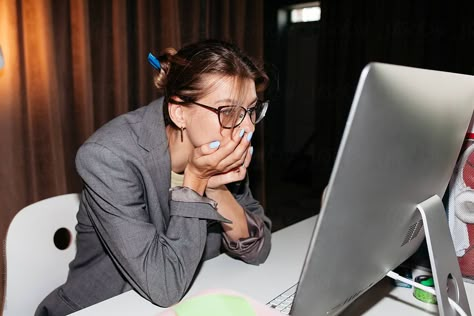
x: 256, y: 247
x: 158, y: 259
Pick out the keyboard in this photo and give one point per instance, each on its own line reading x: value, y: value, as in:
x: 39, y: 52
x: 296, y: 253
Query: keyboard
x: 283, y: 302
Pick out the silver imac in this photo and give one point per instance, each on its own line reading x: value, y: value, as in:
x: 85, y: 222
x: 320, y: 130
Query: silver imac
x: 401, y: 141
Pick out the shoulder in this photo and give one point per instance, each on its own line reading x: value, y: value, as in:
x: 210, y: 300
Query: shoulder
x: 131, y: 124
x: 130, y: 131
x: 126, y: 140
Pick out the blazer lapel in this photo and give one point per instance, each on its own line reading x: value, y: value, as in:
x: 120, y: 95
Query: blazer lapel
x: 152, y: 137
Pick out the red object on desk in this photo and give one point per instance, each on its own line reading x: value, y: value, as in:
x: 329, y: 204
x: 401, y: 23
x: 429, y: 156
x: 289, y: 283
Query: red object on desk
x: 466, y: 262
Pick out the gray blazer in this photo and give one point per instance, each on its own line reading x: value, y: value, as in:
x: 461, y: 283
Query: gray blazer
x: 130, y: 233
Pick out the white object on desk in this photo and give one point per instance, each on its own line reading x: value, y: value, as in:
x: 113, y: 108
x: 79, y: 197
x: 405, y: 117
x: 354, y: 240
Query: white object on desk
x: 280, y: 271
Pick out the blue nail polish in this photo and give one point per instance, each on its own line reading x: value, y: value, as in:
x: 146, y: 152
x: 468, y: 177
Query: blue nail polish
x: 154, y: 61
x: 215, y: 144
x: 249, y: 136
x: 251, y: 151
x: 242, y: 131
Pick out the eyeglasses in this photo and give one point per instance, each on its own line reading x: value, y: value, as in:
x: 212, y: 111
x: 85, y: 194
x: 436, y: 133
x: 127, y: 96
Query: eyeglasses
x: 231, y: 116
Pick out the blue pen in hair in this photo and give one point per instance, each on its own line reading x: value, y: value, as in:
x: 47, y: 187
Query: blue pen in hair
x: 154, y: 61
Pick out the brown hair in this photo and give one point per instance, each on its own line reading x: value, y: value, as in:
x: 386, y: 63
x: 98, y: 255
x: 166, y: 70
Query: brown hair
x: 182, y: 73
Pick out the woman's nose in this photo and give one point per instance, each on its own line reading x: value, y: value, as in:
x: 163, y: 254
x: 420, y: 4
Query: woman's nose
x: 247, y: 124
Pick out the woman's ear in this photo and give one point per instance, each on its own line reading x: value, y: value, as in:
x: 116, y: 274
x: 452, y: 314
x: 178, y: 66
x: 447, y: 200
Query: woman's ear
x: 176, y: 114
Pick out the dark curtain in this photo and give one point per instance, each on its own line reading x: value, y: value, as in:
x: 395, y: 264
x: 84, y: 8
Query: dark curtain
x: 426, y: 34
x: 72, y: 65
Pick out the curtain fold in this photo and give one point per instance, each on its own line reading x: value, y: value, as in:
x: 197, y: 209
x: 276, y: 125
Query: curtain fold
x: 81, y: 69
x: 120, y: 65
x: 73, y: 65
x: 15, y: 190
x: 45, y: 155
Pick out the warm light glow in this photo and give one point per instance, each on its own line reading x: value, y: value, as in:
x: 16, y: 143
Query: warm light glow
x: 308, y: 14
x: 10, y: 77
x: 2, y: 61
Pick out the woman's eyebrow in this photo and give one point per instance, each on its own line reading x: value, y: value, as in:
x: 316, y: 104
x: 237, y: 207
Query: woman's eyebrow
x: 232, y: 101
x: 229, y: 101
x: 254, y: 101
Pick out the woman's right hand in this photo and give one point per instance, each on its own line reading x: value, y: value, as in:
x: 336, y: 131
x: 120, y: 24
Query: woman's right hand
x: 216, y: 158
x: 234, y: 175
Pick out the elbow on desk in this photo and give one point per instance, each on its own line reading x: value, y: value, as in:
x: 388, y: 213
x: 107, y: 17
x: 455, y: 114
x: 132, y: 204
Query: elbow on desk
x: 166, y: 298
x: 166, y: 291
x: 265, y: 251
x: 262, y: 255
x: 173, y: 294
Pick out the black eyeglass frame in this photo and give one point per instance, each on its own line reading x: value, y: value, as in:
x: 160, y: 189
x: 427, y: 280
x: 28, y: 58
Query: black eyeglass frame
x: 219, y: 109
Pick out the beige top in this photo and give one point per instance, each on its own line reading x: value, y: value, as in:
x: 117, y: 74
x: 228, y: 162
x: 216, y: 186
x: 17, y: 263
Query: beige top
x: 176, y: 179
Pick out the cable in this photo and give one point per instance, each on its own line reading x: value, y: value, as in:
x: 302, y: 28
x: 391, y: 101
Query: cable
x: 398, y: 277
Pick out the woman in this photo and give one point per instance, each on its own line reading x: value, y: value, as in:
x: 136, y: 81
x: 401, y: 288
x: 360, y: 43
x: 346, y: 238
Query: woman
x: 166, y: 187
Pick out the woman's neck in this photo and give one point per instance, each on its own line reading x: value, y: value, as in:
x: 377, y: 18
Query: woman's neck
x: 179, y: 150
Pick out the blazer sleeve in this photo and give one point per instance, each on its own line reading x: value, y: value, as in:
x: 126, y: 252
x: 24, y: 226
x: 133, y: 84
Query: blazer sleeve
x: 159, y: 260
x: 256, y: 248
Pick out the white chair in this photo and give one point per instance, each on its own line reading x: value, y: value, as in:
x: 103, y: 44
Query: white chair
x: 40, y: 244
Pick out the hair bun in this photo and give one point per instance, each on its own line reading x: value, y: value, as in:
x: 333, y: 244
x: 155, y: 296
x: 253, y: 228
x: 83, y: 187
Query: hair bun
x: 165, y: 60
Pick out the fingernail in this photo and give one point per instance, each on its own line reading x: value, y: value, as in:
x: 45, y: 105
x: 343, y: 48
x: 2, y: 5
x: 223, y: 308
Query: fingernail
x: 251, y: 150
x: 249, y: 136
x: 242, y: 131
x: 215, y: 144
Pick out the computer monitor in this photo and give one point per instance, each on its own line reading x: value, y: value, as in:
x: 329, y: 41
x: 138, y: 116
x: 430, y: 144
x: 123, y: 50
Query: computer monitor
x: 401, y: 141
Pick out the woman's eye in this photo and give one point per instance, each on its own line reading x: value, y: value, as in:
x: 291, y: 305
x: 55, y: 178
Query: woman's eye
x: 228, y: 111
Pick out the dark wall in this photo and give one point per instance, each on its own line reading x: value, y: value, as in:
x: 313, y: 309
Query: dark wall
x: 434, y: 35
x: 291, y: 53
x: 426, y: 34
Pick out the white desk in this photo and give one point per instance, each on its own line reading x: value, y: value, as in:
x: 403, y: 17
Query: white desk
x: 279, y: 272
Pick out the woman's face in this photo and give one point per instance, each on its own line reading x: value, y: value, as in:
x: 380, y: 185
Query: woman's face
x: 202, y: 125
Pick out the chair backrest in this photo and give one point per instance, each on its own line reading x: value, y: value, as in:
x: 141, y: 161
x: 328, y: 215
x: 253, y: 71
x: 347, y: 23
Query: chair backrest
x: 40, y: 244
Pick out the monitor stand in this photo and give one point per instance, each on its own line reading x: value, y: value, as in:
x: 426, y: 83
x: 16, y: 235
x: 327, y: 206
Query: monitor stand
x: 444, y: 263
